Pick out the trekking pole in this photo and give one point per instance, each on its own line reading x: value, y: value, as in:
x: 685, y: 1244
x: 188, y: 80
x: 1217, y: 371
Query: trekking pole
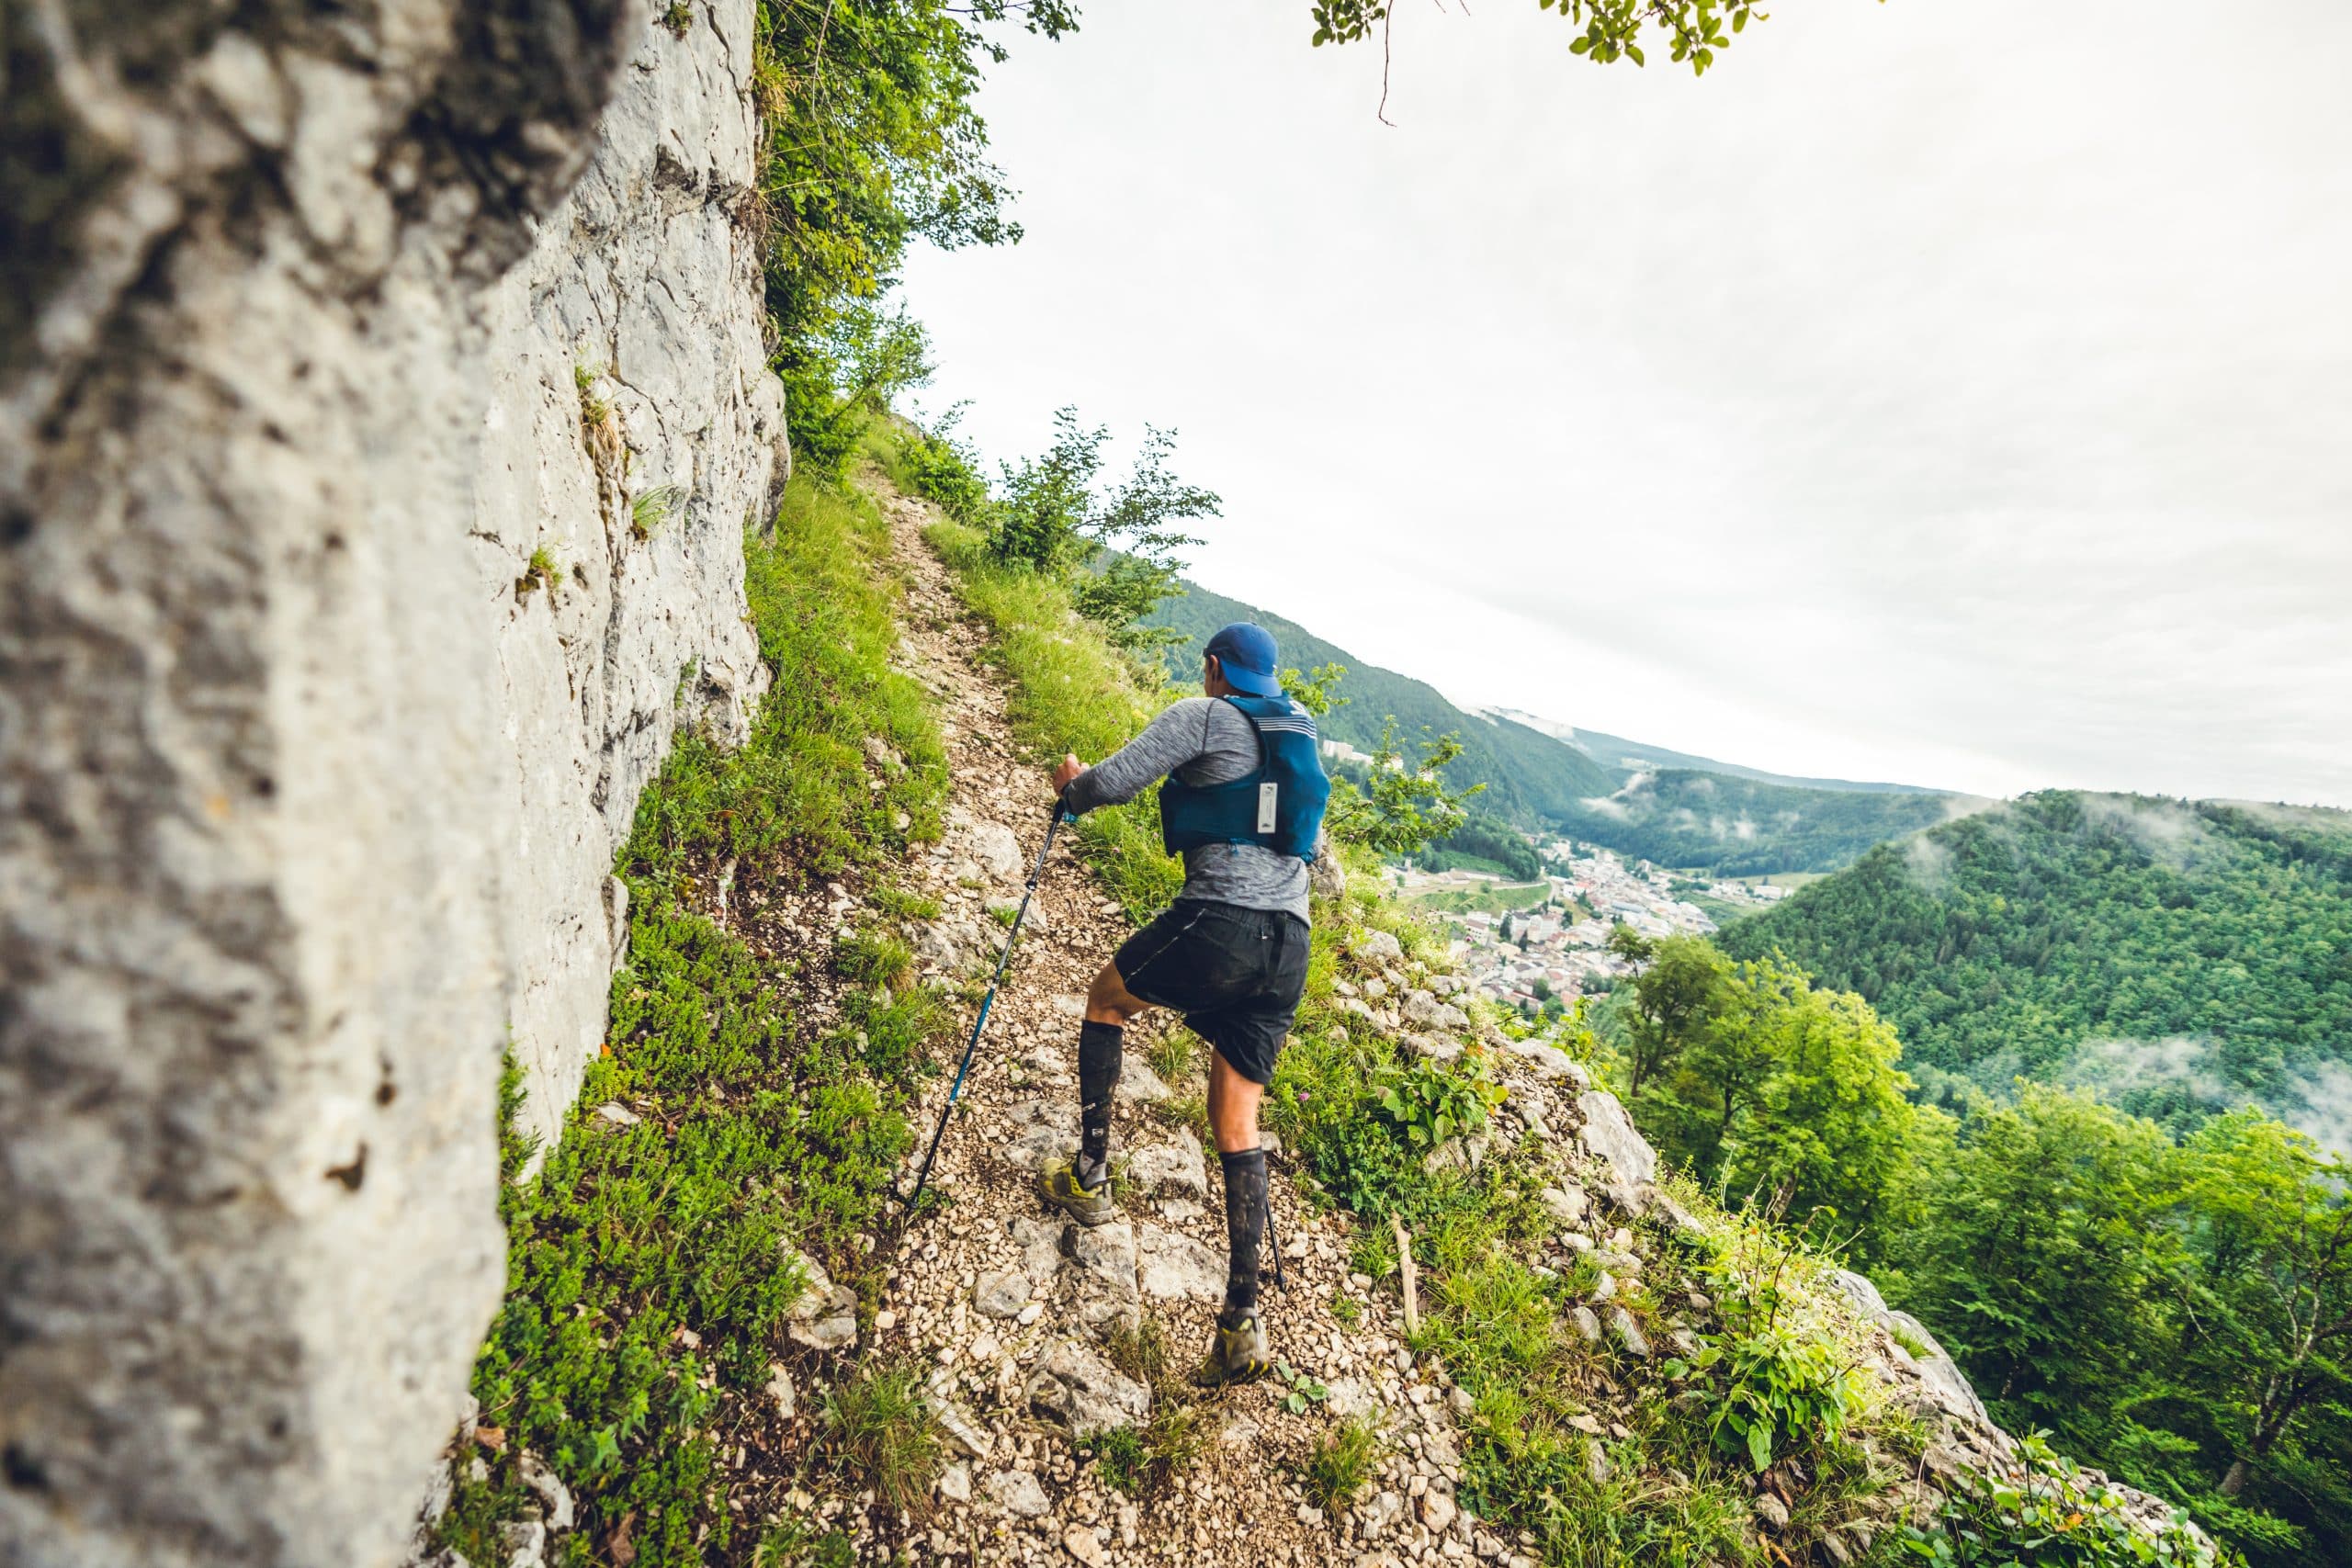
x: 923, y: 1175
x: 1275, y: 1241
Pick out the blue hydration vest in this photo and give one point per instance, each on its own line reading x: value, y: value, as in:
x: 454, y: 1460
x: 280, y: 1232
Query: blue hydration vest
x: 1278, y: 807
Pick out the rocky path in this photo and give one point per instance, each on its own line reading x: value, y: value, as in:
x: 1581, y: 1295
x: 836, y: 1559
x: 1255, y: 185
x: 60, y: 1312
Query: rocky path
x: 1027, y: 1322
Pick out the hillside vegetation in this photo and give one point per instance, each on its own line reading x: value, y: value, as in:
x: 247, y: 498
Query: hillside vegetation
x: 2180, y: 958
x: 2176, y: 1310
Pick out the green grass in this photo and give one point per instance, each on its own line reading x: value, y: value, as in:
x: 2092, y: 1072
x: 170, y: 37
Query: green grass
x: 1143, y: 1460
x: 1069, y: 690
x: 1493, y: 899
x: 1172, y: 1055
x: 647, y: 1294
x: 1342, y: 1462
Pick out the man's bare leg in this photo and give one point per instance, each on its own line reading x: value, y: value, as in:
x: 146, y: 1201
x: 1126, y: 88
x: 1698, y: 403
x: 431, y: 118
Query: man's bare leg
x: 1233, y: 1107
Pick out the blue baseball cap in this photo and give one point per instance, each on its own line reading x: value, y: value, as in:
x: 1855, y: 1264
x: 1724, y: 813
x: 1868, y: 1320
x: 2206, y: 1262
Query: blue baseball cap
x: 1247, y: 655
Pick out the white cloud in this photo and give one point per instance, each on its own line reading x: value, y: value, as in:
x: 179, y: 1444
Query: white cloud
x: 1891, y: 403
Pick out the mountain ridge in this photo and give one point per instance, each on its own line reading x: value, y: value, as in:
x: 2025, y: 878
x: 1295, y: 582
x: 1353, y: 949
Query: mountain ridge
x: 1678, y: 809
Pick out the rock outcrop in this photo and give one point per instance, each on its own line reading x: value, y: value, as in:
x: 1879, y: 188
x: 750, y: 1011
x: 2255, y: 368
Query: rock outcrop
x: 371, y: 496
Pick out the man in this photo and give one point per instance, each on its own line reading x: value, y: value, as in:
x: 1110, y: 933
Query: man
x: 1243, y: 804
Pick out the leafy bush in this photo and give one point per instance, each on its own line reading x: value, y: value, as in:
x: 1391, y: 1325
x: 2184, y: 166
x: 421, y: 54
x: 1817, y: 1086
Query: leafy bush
x: 1430, y: 1104
x: 2054, y: 1516
x: 1776, y: 1390
x: 1393, y: 809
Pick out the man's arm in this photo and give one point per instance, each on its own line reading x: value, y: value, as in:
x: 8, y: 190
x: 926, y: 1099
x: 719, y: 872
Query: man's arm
x: 1168, y: 742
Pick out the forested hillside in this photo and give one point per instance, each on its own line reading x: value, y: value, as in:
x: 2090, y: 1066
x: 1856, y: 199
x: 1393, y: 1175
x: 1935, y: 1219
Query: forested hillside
x: 2181, y: 956
x: 1733, y: 823
x: 1737, y: 826
x: 1530, y: 777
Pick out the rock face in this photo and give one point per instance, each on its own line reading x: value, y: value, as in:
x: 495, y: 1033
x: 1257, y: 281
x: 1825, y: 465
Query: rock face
x: 310, y: 781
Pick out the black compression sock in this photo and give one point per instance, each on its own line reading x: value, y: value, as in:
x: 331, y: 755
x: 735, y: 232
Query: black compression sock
x: 1244, y: 1226
x: 1099, y: 1047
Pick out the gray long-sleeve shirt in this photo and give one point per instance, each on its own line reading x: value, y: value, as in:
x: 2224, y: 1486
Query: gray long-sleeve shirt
x: 1202, y: 740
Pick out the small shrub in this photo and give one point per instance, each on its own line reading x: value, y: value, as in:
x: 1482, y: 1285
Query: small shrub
x: 2051, y: 1517
x: 540, y: 571
x: 593, y: 410
x: 1774, y: 1391
x: 872, y: 958
x: 1430, y: 1104
x: 1121, y: 1457
x: 679, y: 18
x: 901, y: 905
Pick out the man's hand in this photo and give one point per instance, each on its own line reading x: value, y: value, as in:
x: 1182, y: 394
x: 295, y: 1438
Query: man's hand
x: 1070, y: 768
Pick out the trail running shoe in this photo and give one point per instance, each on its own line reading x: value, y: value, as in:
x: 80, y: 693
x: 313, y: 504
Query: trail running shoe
x: 1059, y: 1186
x: 1235, y: 1354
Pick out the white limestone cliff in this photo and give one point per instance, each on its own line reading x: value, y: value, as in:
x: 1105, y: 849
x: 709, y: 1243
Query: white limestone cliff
x: 306, y: 806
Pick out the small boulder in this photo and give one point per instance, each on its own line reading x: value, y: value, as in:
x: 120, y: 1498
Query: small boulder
x: 1040, y: 1243
x: 1001, y: 1293
x: 1089, y: 1395
x: 1175, y: 1268
x: 1176, y: 1170
x: 1375, y: 947
x: 554, y: 1496
x: 998, y: 851
x: 1628, y: 1332
x: 1018, y: 1493
x: 1565, y: 1204
x: 833, y: 1329
x: 962, y: 1428
x: 1423, y: 1009
x: 1139, y: 1085
x: 1608, y: 1135
x: 816, y: 1285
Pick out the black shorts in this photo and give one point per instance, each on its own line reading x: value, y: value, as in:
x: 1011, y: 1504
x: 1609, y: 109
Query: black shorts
x: 1235, y: 973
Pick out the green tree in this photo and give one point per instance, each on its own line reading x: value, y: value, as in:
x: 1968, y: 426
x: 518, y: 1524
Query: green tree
x: 2269, y: 1313
x: 1315, y: 690
x: 1683, y: 988
x: 1608, y: 30
x: 1119, y: 548
x: 1401, y: 807
x: 2040, y: 1261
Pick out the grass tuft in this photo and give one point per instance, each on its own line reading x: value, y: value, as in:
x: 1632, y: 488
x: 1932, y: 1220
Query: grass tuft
x: 879, y: 1433
x: 1342, y: 1462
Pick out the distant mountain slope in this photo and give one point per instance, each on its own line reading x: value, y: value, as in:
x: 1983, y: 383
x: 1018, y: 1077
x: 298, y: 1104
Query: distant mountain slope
x: 2177, y: 956
x: 1530, y: 777
x: 1734, y: 821
x: 1742, y: 827
x: 1624, y: 757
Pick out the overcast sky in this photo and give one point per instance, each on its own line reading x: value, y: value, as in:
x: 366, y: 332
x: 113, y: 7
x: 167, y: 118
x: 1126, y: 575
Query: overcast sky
x: 1955, y: 393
